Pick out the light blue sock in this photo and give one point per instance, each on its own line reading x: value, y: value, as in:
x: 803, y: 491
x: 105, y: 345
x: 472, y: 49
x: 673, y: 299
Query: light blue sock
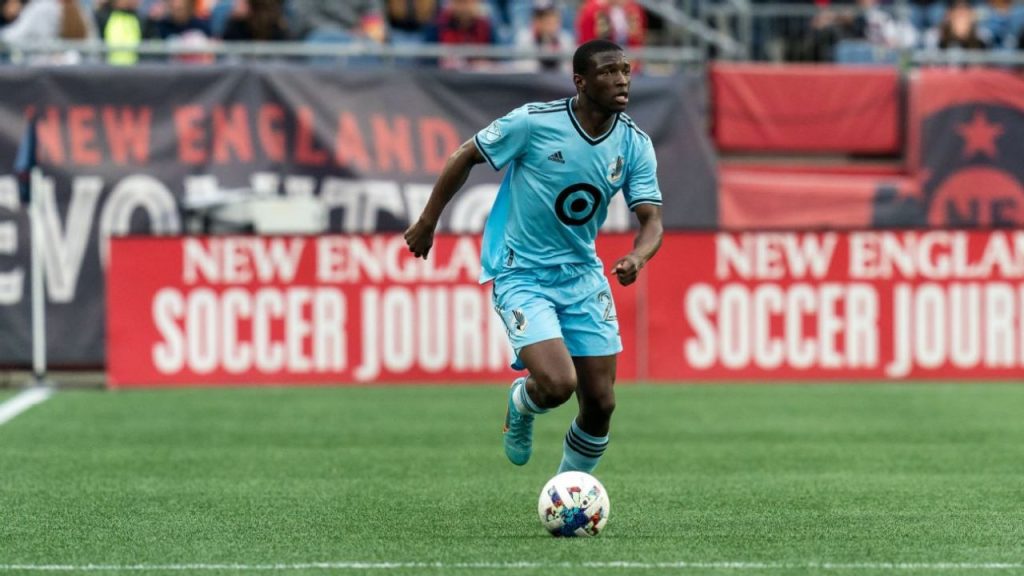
x: 521, y: 398
x: 581, y: 451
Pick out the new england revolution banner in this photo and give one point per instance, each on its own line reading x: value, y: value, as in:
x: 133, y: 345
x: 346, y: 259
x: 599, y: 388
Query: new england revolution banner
x: 329, y: 309
x: 838, y: 305
x: 964, y: 151
x: 123, y: 151
x: 759, y: 306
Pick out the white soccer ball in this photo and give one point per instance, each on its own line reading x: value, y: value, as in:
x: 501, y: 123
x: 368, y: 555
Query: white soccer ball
x: 573, y: 504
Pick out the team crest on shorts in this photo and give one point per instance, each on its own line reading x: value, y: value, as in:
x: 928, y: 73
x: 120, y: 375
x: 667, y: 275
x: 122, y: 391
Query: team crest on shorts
x: 520, y: 319
x: 615, y: 170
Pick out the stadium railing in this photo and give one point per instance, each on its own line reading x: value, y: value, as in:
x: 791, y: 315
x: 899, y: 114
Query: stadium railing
x: 657, y: 59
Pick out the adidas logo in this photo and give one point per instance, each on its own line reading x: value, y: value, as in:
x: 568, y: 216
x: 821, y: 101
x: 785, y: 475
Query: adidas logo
x: 557, y: 157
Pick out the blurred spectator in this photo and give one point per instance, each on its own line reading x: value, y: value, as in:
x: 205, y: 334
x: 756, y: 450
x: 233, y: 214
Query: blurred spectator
x: 76, y: 22
x: 39, y: 21
x: 257, y: 20
x: 545, y: 32
x: 621, y: 21
x: 337, y: 20
x: 119, y: 25
x: 203, y: 8
x: 880, y: 28
x: 9, y: 10
x: 175, y: 19
x: 959, y: 28
x: 867, y: 34
x: 462, y: 22
x: 927, y: 15
x: 217, y: 13
x: 42, y: 20
x: 1000, y: 23
x: 408, y: 20
x: 48, y: 20
x: 511, y: 17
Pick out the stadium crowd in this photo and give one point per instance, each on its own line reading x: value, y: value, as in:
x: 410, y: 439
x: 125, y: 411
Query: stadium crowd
x: 557, y: 24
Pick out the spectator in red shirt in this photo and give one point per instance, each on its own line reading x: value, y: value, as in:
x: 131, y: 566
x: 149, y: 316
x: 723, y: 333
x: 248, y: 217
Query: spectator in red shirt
x: 462, y: 22
x: 621, y: 21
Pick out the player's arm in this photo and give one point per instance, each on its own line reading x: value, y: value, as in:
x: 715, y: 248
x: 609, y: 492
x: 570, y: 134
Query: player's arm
x: 645, y: 245
x: 420, y: 236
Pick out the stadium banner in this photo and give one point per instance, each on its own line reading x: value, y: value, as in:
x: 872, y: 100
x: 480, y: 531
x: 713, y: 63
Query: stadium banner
x: 806, y: 108
x: 336, y: 309
x: 250, y: 310
x: 762, y: 198
x: 963, y: 170
x: 143, y: 150
x: 827, y: 305
x: 965, y: 144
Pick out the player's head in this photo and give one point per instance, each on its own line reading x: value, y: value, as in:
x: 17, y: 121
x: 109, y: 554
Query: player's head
x: 601, y: 73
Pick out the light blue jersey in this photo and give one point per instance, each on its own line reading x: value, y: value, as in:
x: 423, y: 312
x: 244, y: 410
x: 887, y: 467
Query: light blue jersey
x: 555, y: 194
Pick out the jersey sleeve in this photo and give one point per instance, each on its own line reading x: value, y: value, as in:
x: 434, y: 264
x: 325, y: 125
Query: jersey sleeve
x: 642, y: 182
x: 505, y: 138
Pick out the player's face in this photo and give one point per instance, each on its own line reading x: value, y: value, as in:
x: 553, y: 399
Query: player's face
x: 606, y: 83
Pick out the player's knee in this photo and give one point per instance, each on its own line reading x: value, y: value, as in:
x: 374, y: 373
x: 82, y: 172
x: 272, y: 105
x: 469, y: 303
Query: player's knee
x: 602, y: 406
x: 556, y: 388
x: 606, y: 405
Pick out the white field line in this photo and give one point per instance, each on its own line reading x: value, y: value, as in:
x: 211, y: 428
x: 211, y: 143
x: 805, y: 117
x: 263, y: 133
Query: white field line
x: 22, y: 402
x: 513, y: 566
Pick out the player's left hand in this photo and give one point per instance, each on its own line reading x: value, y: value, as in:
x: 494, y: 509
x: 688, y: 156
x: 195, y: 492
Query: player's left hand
x: 626, y: 269
x: 420, y: 238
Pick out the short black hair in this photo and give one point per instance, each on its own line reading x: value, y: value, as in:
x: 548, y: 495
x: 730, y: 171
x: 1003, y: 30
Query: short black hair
x: 586, y: 51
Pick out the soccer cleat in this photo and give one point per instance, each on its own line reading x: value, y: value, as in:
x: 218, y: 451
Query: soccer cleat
x: 518, y: 431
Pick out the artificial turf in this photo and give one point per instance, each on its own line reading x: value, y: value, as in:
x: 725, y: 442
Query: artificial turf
x: 412, y: 480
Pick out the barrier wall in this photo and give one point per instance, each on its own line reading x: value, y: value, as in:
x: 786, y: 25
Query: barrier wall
x: 135, y: 151
x: 119, y: 156
x: 761, y: 306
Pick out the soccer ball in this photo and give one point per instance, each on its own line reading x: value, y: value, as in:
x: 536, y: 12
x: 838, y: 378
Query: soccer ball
x: 573, y: 504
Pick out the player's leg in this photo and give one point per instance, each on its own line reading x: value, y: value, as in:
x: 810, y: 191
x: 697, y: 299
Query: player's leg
x: 552, y: 374
x: 550, y: 382
x: 535, y: 334
x: 591, y: 332
x: 587, y: 437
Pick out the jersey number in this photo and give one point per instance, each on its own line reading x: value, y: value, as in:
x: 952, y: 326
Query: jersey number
x: 609, y: 306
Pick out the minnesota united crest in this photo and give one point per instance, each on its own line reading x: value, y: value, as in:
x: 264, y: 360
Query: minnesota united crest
x: 615, y: 170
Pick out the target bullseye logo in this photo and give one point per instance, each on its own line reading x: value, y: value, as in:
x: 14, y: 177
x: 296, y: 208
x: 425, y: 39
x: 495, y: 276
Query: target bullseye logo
x: 577, y: 204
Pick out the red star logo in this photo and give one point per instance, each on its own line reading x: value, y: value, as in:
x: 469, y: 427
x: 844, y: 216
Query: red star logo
x: 979, y: 136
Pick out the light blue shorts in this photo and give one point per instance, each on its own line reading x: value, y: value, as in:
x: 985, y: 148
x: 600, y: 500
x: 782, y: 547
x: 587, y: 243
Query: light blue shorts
x: 570, y: 301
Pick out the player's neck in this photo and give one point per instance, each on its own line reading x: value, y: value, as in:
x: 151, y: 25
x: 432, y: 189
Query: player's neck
x: 592, y: 119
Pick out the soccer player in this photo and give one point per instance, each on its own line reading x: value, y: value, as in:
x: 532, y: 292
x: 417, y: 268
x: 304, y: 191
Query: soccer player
x: 566, y: 159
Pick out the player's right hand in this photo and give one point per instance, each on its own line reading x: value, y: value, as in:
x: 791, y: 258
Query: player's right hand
x: 420, y: 238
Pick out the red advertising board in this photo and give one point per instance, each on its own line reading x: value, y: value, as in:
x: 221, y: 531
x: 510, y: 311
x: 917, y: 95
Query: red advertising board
x: 819, y: 306
x: 328, y: 309
x: 729, y: 306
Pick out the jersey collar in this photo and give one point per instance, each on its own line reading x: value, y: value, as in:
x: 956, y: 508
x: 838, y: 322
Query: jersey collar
x: 582, y: 132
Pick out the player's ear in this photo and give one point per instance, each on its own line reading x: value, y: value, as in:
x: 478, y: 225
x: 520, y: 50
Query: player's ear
x: 578, y: 80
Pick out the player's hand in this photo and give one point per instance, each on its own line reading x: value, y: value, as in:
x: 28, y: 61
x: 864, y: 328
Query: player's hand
x: 626, y: 269
x: 419, y: 238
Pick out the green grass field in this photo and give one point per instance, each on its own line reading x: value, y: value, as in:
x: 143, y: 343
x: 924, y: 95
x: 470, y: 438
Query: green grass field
x: 845, y: 479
